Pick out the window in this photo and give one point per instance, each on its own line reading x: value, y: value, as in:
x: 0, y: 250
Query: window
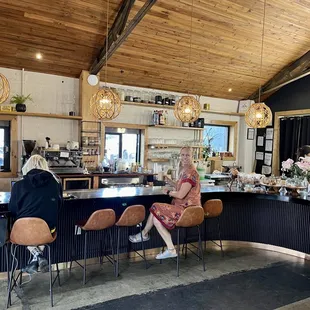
x: 123, y: 143
x: 217, y: 137
x: 5, y: 146
x: 8, y: 146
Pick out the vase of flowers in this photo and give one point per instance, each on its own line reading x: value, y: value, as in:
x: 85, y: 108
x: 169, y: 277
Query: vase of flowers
x: 299, y: 169
x: 20, y: 100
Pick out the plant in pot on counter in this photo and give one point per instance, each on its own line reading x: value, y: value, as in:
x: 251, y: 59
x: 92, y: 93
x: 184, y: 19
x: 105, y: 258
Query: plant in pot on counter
x: 20, y: 100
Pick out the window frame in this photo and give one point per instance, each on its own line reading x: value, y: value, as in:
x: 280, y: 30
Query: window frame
x: 141, y: 143
x: 233, y: 137
x: 226, y: 126
x: 13, y: 147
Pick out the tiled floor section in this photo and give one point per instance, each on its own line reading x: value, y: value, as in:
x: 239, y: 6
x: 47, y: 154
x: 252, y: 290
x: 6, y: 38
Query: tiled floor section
x: 134, y: 279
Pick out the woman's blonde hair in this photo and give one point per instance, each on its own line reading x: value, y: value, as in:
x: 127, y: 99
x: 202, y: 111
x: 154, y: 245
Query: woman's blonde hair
x: 188, y: 148
x: 37, y: 162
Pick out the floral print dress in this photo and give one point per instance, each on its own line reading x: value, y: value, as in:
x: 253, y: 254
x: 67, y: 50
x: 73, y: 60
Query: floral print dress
x: 169, y: 214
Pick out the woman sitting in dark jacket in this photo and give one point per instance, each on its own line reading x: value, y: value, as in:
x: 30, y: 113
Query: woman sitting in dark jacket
x: 38, y: 194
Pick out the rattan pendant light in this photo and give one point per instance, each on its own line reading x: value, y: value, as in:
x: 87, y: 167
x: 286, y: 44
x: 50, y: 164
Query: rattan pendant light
x: 4, y: 88
x: 105, y: 104
x: 188, y: 109
x: 259, y: 114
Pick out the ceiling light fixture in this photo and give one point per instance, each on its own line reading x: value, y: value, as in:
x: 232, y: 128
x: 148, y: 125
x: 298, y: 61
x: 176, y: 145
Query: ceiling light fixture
x: 229, y: 89
x: 188, y: 109
x: 38, y: 56
x: 259, y: 114
x: 4, y: 88
x: 105, y: 104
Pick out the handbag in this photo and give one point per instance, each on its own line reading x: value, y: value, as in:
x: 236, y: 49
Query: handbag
x: 4, y: 228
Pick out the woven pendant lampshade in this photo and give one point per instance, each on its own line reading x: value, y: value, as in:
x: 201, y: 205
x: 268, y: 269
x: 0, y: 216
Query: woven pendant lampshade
x: 105, y: 104
x: 258, y: 115
x: 187, y: 109
x: 4, y: 88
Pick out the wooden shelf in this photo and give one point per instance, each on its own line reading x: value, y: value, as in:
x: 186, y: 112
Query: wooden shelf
x: 175, y: 127
x: 161, y: 106
x: 172, y: 146
x: 158, y: 159
x: 223, y: 113
x: 59, y: 116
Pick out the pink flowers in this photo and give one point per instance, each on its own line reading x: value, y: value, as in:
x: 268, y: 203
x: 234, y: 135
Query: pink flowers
x: 304, y: 165
x: 287, y: 165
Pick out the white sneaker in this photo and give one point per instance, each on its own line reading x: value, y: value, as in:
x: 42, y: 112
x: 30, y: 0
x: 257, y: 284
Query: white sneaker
x: 167, y: 254
x: 137, y: 238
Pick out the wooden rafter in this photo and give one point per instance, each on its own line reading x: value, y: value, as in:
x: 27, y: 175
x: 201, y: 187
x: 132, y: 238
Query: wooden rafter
x: 117, y: 35
x: 288, y: 74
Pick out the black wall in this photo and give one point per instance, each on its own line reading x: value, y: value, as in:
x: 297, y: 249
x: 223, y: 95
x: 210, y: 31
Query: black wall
x: 294, y: 96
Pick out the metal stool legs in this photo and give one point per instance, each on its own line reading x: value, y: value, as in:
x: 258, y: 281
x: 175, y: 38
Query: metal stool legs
x: 185, y: 245
x: 118, y: 250
x: 12, y: 282
x: 219, y: 235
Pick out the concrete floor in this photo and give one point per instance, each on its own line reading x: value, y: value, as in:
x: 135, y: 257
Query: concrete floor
x: 134, y: 279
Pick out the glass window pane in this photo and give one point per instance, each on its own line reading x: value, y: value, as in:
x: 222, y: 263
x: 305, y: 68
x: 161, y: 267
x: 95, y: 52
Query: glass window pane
x: 217, y: 137
x: 112, y: 146
x: 129, y: 147
x: 1, y: 147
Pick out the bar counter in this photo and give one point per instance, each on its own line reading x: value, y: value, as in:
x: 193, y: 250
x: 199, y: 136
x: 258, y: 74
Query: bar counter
x: 282, y: 221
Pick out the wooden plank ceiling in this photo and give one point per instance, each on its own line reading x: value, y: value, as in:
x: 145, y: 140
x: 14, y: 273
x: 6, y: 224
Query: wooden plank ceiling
x: 226, y: 42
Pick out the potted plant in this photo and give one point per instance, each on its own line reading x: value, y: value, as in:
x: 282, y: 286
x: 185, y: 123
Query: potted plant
x: 20, y: 100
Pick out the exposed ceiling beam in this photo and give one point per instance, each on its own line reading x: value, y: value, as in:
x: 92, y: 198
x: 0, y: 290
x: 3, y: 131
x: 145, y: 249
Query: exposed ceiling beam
x: 117, y: 35
x: 288, y: 74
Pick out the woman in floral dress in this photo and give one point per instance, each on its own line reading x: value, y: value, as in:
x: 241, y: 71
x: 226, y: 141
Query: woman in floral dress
x: 163, y: 215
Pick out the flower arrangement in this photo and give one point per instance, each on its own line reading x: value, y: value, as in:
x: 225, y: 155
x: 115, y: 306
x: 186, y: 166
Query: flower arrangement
x: 299, y: 168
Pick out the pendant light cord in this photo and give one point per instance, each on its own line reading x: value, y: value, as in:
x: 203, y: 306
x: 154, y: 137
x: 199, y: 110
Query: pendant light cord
x: 190, y: 48
x: 261, y: 53
x: 106, y: 46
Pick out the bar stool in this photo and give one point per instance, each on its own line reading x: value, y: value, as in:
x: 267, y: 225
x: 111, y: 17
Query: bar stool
x: 100, y: 220
x: 132, y: 216
x: 213, y: 208
x: 30, y: 231
x: 191, y: 217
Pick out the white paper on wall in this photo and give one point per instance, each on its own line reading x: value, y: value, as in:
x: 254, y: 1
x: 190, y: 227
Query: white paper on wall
x: 259, y: 156
x: 268, y: 146
x: 268, y: 158
x: 266, y: 170
x: 260, y: 141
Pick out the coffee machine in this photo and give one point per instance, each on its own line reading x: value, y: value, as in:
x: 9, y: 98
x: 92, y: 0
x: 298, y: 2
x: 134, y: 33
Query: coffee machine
x: 63, y: 160
x: 29, y: 146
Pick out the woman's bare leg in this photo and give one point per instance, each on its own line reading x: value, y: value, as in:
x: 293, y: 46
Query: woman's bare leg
x: 149, y: 225
x: 165, y: 234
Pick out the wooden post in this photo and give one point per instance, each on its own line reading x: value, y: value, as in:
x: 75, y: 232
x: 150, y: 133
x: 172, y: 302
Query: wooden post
x: 86, y: 92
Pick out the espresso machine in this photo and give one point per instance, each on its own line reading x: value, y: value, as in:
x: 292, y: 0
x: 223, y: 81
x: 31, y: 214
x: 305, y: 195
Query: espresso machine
x: 63, y: 161
x: 29, y: 146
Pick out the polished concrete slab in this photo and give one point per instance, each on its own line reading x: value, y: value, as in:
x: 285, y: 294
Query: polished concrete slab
x: 134, y: 279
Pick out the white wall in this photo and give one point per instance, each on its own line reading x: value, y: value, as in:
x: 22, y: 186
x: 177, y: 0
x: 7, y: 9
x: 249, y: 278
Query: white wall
x: 59, y: 95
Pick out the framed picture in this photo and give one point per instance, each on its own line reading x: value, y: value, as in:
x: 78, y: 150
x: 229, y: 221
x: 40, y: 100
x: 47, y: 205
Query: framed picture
x: 250, y: 133
x: 269, y: 133
x: 243, y: 106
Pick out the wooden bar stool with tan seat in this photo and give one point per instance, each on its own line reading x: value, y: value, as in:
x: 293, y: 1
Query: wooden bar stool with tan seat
x: 100, y: 220
x: 30, y: 231
x: 133, y: 216
x: 191, y: 217
x: 213, y: 209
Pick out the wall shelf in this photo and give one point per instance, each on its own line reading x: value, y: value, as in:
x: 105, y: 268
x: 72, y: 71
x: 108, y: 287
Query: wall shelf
x: 155, y: 160
x: 162, y: 106
x: 175, y: 127
x: 172, y: 146
x: 60, y: 116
